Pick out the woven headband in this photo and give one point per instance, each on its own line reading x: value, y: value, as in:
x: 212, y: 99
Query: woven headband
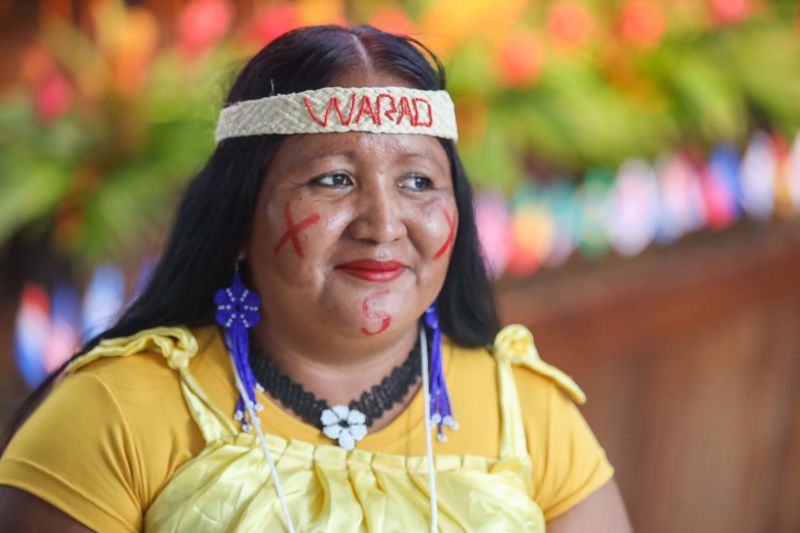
x: 338, y: 109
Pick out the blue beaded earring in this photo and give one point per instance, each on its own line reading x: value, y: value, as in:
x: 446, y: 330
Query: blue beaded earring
x: 238, y: 311
x: 441, y: 412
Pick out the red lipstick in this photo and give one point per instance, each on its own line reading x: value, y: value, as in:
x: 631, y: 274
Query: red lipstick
x: 372, y: 270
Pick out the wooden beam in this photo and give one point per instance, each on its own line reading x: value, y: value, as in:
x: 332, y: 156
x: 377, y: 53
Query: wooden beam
x: 585, y: 307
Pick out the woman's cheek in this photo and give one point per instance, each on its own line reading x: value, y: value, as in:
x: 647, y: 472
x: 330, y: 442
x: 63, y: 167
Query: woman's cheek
x: 441, y: 224
x: 292, y: 244
x: 295, y: 223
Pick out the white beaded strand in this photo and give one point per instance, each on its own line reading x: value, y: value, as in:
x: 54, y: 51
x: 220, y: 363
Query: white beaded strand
x: 254, y: 420
x: 428, y: 427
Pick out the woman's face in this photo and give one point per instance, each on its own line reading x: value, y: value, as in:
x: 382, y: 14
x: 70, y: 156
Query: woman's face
x: 352, y: 234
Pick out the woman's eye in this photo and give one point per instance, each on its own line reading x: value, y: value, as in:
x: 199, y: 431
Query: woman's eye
x: 415, y: 182
x: 337, y: 179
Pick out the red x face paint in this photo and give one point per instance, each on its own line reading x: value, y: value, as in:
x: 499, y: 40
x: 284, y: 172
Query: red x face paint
x: 451, y: 222
x: 293, y: 230
x: 375, y: 314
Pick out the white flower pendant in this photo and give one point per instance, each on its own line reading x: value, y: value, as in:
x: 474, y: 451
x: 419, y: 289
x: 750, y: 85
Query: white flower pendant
x: 344, y: 425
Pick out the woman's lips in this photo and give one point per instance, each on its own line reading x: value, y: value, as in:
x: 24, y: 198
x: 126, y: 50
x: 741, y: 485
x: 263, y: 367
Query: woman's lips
x: 372, y: 270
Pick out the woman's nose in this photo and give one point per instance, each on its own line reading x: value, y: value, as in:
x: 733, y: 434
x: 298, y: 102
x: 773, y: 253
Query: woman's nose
x: 379, y: 217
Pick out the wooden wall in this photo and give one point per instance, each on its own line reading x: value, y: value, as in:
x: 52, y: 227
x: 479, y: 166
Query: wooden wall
x: 690, y: 357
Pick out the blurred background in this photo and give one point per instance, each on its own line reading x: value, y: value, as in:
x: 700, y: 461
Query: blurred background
x: 637, y: 166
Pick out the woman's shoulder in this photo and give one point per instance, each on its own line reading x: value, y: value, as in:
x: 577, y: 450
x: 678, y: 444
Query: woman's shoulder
x: 123, y: 423
x: 514, y: 347
x: 155, y: 350
x: 141, y: 375
x: 568, y: 461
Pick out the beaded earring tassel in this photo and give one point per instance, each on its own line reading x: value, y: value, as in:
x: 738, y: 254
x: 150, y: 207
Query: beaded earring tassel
x: 237, y: 312
x: 441, y: 412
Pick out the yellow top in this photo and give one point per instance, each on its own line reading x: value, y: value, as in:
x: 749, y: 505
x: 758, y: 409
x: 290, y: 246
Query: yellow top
x: 116, y: 445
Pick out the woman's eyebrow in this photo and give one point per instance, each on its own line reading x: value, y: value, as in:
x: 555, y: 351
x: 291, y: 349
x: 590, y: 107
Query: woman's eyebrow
x: 427, y: 155
x: 304, y: 160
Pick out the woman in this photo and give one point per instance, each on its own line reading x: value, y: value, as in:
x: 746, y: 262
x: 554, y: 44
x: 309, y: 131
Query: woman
x: 336, y: 197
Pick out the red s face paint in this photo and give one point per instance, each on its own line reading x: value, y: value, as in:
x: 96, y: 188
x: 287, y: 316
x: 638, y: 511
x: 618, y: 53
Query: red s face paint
x: 293, y: 230
x: 383, y: 316
x: 451, y: 222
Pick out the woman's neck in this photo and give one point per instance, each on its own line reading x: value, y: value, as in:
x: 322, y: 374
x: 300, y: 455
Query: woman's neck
x: 339, y: 372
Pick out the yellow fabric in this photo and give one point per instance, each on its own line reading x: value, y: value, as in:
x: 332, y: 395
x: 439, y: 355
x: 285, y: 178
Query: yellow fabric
x: 129, y: 454
x: 514, y: 345
x: 178, y: 346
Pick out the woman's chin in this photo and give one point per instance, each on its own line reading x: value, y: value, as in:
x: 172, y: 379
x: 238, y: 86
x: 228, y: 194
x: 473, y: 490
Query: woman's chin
x: 364, y: 310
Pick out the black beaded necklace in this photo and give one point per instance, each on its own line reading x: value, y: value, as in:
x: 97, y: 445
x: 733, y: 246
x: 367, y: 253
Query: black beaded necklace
x: 373, y: 403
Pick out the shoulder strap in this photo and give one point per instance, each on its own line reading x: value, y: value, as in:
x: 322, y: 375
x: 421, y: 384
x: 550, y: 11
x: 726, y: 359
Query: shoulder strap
x: 514, y: 346
x: 178, y: 346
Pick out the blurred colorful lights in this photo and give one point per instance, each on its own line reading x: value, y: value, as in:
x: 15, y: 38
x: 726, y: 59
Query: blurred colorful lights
x: 49, y: 327
x: 643, y: 203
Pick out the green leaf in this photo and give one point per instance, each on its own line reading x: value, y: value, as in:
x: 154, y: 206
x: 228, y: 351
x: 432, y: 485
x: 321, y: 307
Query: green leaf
x: 29, y: 190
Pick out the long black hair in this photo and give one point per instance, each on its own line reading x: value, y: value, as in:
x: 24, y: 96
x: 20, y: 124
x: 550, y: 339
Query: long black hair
x: 215, y: 214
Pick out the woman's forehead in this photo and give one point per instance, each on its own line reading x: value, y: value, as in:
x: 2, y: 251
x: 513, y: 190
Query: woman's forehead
x: 360, y: 147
